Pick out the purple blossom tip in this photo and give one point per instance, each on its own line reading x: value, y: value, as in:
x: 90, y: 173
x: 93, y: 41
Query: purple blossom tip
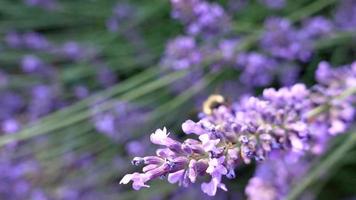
x: 160, y: 137
x: 137, y: 179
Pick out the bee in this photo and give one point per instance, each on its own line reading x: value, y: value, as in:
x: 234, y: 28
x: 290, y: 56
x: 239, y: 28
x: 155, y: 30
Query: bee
x: 213, y: 101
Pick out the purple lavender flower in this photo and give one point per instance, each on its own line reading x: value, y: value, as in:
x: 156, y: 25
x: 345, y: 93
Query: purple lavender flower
x: 137, y: 147
x: 210, y: 20
x: 13, y: 39
x: 10, y: 104
x: 42, y: 102
x: 316, y: 27
x: 29, y: 40
x: 253, y: 129
x: 31, y: 63
x: 33, y: 40
x: 201, y: 17
x: 72, y: 50
x: 3, y: 79
x: 80, y: 91
x: 105, y: 123
x: 222, y: 127
x: 252, y: 65
x: 283, y: 41
x: 345, y: 16
x: 275, y: 177
x: 183, y: 10
x: 105, y: 76
x: 333, y: 82
x: 14, y: 179
x: 10, y: 126
x: 259, y: 188
x: 227, y: 48
x: 121, y: 13
x: 181, y: 53
x: 216, y: 169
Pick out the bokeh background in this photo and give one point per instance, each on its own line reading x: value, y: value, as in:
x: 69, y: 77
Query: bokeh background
x: 84, y: 82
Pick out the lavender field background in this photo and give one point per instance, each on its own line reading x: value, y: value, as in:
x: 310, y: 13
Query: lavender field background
x: 224, y: 99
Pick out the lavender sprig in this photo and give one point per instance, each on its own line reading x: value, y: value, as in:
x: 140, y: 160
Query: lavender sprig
x: 249, y: 130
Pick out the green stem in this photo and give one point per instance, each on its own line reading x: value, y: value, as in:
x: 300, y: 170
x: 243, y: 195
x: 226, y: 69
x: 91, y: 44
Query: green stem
x: 80, y: 135
x: 184, y: 97
x: 28, y: 133
x: 103, y: 95
x: 338, y: 37
x: 310, y: 9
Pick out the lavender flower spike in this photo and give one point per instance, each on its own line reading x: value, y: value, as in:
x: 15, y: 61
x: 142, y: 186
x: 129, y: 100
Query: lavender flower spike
x: 291, y: 120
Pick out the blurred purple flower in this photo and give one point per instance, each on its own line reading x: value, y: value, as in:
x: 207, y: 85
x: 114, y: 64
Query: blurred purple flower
x: 33, y: 40
x: 345, y: 16
x: 13, y: 39
x: 181, y: 53
x: 122, y: 12
x: 201, y: 17
x: 45, y: 4
x: 80, y: 91
x: 316, y: 27
x: 10, y: 104
x: 42, y: 101
x: 31, y: 63
x: 29, y: 40
x: 105, y: 76
x: 10, y: 126
x: 72, y: 50
x: 137, y: 147
x: 283, y: 41
x: 257, y: 69
x: 3, y: 79
x: 274, y: 178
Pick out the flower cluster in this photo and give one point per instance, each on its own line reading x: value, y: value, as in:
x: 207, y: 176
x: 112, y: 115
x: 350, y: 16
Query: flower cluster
x: 250, y: 130
x: 282, y: 43
x: 182, y: 53
x: 290, y: 166
x: 201, y: 17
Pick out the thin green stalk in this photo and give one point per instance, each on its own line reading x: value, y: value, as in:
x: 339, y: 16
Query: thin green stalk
x: 51, y: 166
x: 102, y: 95
x: 28, y: 149
x: 69, y: 143
x: 310, y: 9
x: 28, y: 133
x: 81, y: 134
x: 336, y: 38
x: 184, y: 97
